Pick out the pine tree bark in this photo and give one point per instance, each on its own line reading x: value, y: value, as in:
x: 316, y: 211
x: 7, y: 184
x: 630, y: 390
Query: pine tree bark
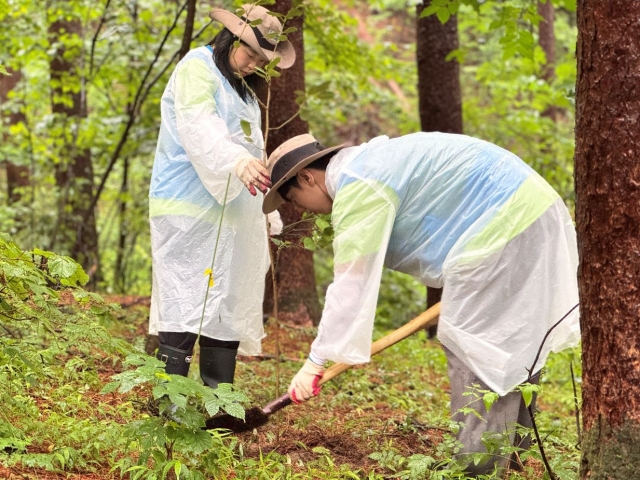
x: 295, y: 280
x: 76, y: 232
x: 607, y: 177
x: 439, y: 92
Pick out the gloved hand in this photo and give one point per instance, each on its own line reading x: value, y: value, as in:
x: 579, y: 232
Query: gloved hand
x: 253, y: 174
x: 305, y: 384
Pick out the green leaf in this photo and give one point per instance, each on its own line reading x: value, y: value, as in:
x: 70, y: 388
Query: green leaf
x: 322, y: 224
x: 308, y: 243
x: 235, y: 410
x: 489, y: 399
x: 194, y: 442
x: 443, y: 15
x: 63, y: 267
x: 246, y: 127
x: 430, y: 10
x: 322, y: 87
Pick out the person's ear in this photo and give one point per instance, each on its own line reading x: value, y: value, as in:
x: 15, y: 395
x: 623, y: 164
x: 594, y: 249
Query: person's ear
x: 305, y: 177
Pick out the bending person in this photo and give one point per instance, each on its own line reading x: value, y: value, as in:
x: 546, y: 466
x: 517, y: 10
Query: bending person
x: 454, y: 212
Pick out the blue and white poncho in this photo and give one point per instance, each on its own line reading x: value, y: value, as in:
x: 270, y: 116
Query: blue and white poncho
x: 458, y: 213
x: 199, y: 143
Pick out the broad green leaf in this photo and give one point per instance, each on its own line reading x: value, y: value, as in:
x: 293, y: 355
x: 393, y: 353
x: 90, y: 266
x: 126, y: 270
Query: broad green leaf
x: 235, y: 410
x: 443, y: 15
x: 194, y: 442
x: 63, y: 267
x: 430, y: 10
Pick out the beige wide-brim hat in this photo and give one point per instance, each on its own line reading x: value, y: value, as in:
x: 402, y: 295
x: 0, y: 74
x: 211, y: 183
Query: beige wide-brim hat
x: 287, y: 160
x: 263, y: 37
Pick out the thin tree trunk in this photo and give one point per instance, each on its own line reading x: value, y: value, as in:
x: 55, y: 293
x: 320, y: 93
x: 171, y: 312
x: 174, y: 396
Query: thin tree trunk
x: 607, y: 177
x: 76, y: 230
x: 119, y: 269
x: 297, y: 296
x: 547, y: 41
x: 17, y: 175
x: 188, y: 29
x: 439, y: 91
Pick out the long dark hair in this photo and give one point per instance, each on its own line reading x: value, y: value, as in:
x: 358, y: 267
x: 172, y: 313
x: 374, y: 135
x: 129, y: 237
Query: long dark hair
x: 223, y: 44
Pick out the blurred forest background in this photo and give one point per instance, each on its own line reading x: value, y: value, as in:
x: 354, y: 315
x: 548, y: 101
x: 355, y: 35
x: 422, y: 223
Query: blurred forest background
x: 80, y: 88
x: 80, y: 109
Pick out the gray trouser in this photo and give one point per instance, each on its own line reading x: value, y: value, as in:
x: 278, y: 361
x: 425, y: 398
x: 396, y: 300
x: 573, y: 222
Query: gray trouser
x: 501, y: 418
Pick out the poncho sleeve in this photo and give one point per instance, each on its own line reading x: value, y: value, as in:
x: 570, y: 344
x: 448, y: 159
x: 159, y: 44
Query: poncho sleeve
x: 363, y: 216
x: 203, y: 134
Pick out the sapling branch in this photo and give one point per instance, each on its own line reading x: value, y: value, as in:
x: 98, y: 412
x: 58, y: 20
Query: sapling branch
x: 132, y: 113
x: 94, y: 39
x: 290, y: 119
x: 552, y: 476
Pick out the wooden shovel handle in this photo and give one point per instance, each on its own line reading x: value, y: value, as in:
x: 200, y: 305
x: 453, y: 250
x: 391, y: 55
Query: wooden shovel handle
x: 422, y: 321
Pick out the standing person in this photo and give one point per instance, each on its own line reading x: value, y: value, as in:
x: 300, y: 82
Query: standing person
x: 453, y: 211
x: 203, y: 162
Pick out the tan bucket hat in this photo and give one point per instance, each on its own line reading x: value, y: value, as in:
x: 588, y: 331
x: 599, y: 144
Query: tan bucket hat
x: 263, y: 38
x: 287, y: 160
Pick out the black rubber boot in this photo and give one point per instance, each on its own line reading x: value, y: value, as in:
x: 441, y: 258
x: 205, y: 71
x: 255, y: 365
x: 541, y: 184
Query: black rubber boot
x: 177, y: 361
x: 217, y: 365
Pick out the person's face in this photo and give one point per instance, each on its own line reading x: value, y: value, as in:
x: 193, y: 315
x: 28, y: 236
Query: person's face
x: 245, y: 59
x: 311, y: 194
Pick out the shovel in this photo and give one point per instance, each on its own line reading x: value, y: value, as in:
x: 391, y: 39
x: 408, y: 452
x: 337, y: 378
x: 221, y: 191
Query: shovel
x: 257, y: 417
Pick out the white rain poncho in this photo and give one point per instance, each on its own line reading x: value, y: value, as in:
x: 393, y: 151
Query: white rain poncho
x: 458, y: 213
x: 199, y: 143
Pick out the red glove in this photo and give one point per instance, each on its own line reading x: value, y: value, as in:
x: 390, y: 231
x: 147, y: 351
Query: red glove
x: 305, y: 384
x: 253, y: 174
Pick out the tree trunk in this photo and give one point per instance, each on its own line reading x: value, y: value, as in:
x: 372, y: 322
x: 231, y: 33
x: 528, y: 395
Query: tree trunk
x: 17, y: 175
x: 297, y: 296
x: 76, y: 232
x: 188, y: 29
x: 439, y: 91
x: 607, y: 176
x: 547, y: 41
x: 438, y: 80
x: 119, y: 276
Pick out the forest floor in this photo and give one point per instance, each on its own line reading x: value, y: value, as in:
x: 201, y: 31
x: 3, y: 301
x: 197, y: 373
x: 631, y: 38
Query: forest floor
x: 369, y: 419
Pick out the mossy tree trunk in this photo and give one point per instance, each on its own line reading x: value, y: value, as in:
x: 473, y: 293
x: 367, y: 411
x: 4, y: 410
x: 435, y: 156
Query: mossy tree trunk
x: 297, y: 297
x: 607, y: 180
x: 439, y: 92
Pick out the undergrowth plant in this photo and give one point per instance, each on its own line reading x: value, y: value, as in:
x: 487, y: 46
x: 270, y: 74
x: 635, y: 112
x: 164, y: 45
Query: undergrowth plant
x: 53, y: 343
x: 173, y: 439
